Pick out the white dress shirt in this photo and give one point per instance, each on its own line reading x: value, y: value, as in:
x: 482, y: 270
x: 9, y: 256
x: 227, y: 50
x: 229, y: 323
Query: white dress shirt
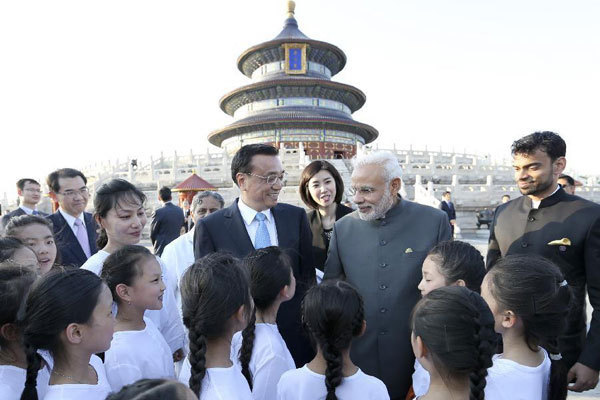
x: 251, y: 223
x: 535, y: 204
x: 71, y: 219
x: 178, y: 256
x: 27, y: 210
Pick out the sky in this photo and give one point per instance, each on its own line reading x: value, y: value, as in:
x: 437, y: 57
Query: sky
x: 82, y: 81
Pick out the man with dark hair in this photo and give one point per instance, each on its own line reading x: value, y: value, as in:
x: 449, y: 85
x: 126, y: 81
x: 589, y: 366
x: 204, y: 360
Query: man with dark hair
x: 564, y: 228
x: 256, y: 220
x: 167, y: 222
x: 74, y: 229
x: 29, y: 194
x: 505, y: 198
x: 567, y: 183
x: 447, y: 206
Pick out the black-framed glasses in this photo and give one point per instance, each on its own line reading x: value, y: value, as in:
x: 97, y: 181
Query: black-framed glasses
x: 271, y: 179
x: 83, y: 192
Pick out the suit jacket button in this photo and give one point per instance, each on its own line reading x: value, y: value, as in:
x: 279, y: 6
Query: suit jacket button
x: 383, y: 243
x: 383, y: 265
x: 531, y: 219
x: 383, y: 310
x: 382, y: 332
x: 523, y: 245
x: 383, y: 287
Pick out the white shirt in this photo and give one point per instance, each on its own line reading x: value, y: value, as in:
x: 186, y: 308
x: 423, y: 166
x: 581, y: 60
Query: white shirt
x: 420, y: 380
x: 304, y: 384
x: 508, y: 380
x: 135, y: 355
x: 535, y: 204
x: 12, y: 381
x: 167, y: 319
x: 270, y: 359
x: 71, y: 219
x: 219, y: 383
x: 27, y: 210
x: 79, y: 391
x: 251, y: 223
x: 178, y: 256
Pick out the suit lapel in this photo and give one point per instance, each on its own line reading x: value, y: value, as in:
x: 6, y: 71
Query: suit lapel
x: 283, y: 227
x: 90, y: 226
x: 69, y: 240
x: 234, y: 224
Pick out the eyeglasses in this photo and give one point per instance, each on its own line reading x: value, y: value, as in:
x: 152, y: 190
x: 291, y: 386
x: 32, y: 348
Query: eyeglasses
x: 84, y: 192
x: 271, y: 179
x: 32, y: 190
x: 363, y: 191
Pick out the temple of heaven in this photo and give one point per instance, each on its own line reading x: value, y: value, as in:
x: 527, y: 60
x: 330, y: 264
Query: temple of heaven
x: 293, y: 100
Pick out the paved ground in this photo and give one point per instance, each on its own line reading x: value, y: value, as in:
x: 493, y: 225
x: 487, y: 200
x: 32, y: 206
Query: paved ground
x: 479, y: 240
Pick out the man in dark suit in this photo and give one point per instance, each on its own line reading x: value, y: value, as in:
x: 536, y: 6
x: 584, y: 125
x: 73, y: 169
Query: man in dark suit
x: 167, y: 222
x: 447, y: 206
x: 29, y: 196
x: 564, y: 228
x: 257, y: 220
x: 74, y: 229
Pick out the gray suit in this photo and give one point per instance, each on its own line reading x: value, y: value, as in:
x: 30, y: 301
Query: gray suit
x: 383, y: 259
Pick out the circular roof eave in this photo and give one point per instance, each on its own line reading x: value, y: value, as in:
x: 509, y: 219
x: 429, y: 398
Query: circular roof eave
x: 217, y: 137
x: 291, y: 82
x: 278, y: 42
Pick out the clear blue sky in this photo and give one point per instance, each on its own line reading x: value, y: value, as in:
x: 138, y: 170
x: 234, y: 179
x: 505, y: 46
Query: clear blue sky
x: 84, y: 81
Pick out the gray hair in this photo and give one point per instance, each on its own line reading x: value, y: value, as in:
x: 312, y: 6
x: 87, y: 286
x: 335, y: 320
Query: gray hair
x: 387, y: 160
x: 197, y: 200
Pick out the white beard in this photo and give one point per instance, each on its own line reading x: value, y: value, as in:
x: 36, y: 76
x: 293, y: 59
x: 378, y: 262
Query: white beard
x: 379, y: 210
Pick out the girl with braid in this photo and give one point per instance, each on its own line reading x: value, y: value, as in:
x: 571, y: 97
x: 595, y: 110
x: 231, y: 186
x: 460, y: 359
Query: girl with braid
x: 453, y: 338
x: 69, y: 314
x: 262, y: 352
x: 530, y: 301
x: 138, y: 350
x: 332, y: 314
x: 216, y: 303
x: 15, y: 281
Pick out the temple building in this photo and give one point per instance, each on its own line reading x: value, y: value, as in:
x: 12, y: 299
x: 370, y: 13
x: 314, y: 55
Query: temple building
x: 292, y: 101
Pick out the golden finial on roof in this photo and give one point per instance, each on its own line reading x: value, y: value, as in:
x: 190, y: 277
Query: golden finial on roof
x: 291, y: 8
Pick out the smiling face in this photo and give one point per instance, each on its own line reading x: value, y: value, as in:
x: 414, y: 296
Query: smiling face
x: 124, y: 223
x: 30, y: 194
x: 147, y: 289
x: 432, y: 277
x: 72, y: 195
x: 536, y: 173
x: 373, y: 195
x: 322, y: 189
x: 255, y: 191
x: 208, y: 206
x: 39, y: 238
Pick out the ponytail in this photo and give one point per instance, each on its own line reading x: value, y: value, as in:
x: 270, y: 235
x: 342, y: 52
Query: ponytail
x: 34, y: 363
x: 557, y: 389
x: 484, y: 339
x: 102, y: 239
x: 197, y: 359
x: 246, y: 350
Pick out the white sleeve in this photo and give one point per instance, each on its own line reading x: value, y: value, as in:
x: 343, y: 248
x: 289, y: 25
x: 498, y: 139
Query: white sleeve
x: 171, y: 324
x: 120, y: 375
x: 266, y: 377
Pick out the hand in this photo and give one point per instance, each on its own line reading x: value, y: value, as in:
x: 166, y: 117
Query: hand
x: 178, y: 355
x: 586, y: 378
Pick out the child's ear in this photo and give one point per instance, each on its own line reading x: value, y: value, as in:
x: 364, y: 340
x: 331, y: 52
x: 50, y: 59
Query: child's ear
x: 460, y: 282
x: 284, y: 293
x: 363, y: 328
x: 419, y: 348
x: 9, y: 332
x: 123, y: 292
x: 73, y: 333
x: 509, y: 319
x: 240, y: 315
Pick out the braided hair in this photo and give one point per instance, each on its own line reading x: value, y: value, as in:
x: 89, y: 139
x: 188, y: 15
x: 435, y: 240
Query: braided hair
x: 15, y: 281
x: 55, y: 301
x: 457, y: 327
x: 270, y: 271
x: 333, y: 314
x: 212, y: 290
x: 535, y: 290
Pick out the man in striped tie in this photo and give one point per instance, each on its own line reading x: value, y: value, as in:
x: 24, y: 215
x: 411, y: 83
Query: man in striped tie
x: 256, y: 220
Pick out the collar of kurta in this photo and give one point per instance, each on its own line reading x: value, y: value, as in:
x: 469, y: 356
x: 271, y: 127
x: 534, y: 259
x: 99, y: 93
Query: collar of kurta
x: 549, y: 201
x: 395, y: 210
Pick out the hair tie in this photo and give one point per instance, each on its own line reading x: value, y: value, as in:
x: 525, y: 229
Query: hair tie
x: 563, y: 283
x: 556, y: 357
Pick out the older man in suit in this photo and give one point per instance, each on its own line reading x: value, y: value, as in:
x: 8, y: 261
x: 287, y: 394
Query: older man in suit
x: 29, y: 194
x: 74, y: 229
x: 166, y: 223
x: 564, y: 228
x: 380, y: 249
x: 257, y: 220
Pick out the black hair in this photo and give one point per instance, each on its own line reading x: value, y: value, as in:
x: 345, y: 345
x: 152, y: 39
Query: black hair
x: 311, y: 170
x: 535, y: 290
x: 151, y: 389
x: 15, y: 282
x: 16, y: 223
x: 548, y: 142
x: 21, y: 182
x: 212, y: 290
x: 122, y: 266
x: 8, y: 247
x: 165, y: 193
x: 332, y: 314
x: 568, y: 178
x: 457, y: 327
x: 243, y: 158
x: 446, y: 192
x: 58, y: 299
x: 109, y: 196
x: 270, y: 271
x: 52, y: 179
x: 459, y: 260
